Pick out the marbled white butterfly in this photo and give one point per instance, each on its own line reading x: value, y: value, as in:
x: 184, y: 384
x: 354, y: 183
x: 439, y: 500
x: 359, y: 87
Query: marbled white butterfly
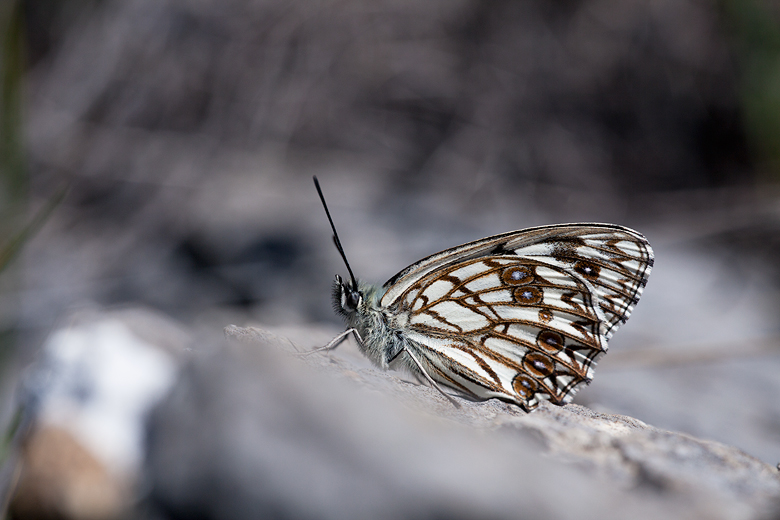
x: 523, y: 316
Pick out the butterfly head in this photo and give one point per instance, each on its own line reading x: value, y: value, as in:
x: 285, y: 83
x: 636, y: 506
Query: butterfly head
x: 346, y: 297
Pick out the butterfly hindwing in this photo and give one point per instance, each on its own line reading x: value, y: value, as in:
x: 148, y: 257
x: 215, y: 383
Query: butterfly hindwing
x: 523, y: 315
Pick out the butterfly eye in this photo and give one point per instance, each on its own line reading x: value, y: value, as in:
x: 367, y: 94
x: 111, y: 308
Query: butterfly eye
x: 352, y: 299
x: 347, y: 297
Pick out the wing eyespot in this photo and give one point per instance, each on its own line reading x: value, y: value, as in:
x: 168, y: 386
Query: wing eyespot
x: 528, y: 295
x: 525, y: 386
x: 538, y: 364
x: 587, y: 269
x: 518, y: 275
x: 550, y: 341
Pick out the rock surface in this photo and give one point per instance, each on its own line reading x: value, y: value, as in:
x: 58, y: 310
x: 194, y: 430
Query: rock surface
x: 256, y: 430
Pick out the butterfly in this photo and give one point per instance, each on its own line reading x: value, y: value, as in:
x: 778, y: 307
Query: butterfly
x: 522, y: 316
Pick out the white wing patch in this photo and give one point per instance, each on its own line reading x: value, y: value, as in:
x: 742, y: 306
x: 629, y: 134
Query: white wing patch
x: 451, y: 316
x: 491, y: 297
x: 483, y: 283
x: 556, y: 276
x: 437, y: 290
x: 468, y: 271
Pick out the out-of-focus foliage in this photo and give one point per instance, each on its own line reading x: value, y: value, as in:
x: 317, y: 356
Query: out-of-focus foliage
x: 755, y: 27
x: 12, y: 68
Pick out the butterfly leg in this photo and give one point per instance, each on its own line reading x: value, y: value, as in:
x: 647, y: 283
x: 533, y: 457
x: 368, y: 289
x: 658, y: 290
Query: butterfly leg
x: 335, y: 342
x: 430, y: 379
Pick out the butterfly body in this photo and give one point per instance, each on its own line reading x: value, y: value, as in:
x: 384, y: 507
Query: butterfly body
x: 382, y: 339
x: 522, y: 316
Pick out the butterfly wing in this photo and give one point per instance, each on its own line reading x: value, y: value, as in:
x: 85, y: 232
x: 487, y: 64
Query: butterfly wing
x: 523, y: 315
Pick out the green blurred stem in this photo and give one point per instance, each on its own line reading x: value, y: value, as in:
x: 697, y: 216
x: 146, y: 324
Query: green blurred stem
x: 12, y: 165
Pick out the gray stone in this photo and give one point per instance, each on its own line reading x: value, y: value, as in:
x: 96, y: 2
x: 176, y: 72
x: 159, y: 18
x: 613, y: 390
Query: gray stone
x: 258, y: 430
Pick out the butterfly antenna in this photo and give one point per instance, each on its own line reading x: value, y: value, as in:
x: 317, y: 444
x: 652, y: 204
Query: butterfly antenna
x: 335, y: 234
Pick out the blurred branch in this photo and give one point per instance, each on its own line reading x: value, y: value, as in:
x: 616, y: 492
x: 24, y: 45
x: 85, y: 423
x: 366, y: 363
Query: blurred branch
x: 9, y: 250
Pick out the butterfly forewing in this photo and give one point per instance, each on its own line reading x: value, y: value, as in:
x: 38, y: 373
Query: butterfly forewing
x: 523, y: 315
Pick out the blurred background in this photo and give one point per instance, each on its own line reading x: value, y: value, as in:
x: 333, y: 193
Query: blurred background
x: 160, y: 154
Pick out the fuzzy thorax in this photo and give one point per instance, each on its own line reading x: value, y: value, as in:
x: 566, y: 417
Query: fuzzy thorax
x: 382, y: 342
